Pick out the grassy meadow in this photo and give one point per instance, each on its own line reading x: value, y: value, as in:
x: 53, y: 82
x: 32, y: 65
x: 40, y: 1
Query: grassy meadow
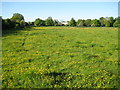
x: 55, y: 57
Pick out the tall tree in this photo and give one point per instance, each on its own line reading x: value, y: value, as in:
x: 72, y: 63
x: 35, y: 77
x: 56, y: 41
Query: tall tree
x: 39, y: 22
x: 80, y: 23
x: 72, y: 22
x: 102, y: 21
x: 22, y: 23
x: 49, y: 21
x: 115, y: 24
x: 7, y: 23
x: 111, y: 19
x: 56, y: 22
x: 17, y: 17
x: 88, y: 22
x: 107, y: 23
x: 95, y: 23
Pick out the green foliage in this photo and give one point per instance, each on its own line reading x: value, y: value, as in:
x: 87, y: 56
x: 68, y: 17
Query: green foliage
x: 22, y: 23
x: 115, y: 23
x: 7, y: 23
x: 72, y: 22
x: 111, y: 19
x: 95, y: 23
x: 17, y: 25
x: 55, y: 57
x: 107, y: 23
x: 31, y: 23
x: 102, y: 21
x: 57, y: 23
x: 88, y: 22
x: 49, y: 21
x: 80, y: 23
x: 17, y: 20
x: 17, y: 17
x: 39, y: 22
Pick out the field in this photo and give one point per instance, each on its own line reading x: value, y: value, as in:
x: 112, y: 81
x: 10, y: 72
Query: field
x: 54, y: 57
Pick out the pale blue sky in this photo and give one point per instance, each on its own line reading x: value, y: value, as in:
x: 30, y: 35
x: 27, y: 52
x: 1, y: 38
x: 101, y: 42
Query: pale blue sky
x: 60, y: 10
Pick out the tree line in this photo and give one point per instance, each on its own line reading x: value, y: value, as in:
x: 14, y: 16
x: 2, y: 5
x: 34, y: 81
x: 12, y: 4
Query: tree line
x: 18, y: 21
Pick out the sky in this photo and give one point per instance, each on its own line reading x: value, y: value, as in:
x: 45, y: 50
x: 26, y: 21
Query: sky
x: 60, y: 10
x: 60, y: 0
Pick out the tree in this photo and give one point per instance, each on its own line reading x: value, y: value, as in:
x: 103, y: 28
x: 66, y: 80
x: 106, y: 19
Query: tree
x: 88, y: 22
x: 22, y: 23
x: 39, y: 22
x: 107, y: 23
x: 17, y: 17
x: 115, y: 24
x: 80, y: 23
x: 111, y: 19
x: 31, y: 23
x: 17, y: 25
x: 95, y: 23
x: 6, y: 23
x: 49, y: 21
x: 18, y: 20
x: 57, y: 23
x: 102, y: 21
x: 72, y: 22
x: 26, y: 24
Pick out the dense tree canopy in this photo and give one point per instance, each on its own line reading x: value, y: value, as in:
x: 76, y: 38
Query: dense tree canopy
x: 57, y: 23
x: 107, y: 23
x: 17, y: 17
x: 95, y: 23
x: 49, y: 21
x: 115, y: 24
x: 39, y: 22
x: 7, y: 23
x: 72, y: 22
x: 80, y: 23
x: 22, y: 23
x: 102, y: 21
x: 88, y: 22
x: 17, y: 21
x: 111, y: 20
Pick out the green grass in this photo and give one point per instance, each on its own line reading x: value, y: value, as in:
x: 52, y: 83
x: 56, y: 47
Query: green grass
x: 53, y: 57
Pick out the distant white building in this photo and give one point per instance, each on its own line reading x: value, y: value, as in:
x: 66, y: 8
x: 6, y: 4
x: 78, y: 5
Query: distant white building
x: 64, y: 22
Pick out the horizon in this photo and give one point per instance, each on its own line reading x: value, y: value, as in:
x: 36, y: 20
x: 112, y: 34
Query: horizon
x: 62, y: 11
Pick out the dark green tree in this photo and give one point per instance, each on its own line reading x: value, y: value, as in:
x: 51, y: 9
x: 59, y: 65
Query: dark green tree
x: 49, y: 21
x: 102, y: 21
x: 95, y: 23
x: 111, y: 19
x: 72, y: 22
x: 39, y: 22
x: 115, y: 24
x: 88, y: 22
x: 17, y: 17
x: 80, y: 23
x: 17, y: 25
x: 31, y: 23
x: 56, y: 23
x: 107, y: 23
x: 22, y: 23
x: 7, y: 23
